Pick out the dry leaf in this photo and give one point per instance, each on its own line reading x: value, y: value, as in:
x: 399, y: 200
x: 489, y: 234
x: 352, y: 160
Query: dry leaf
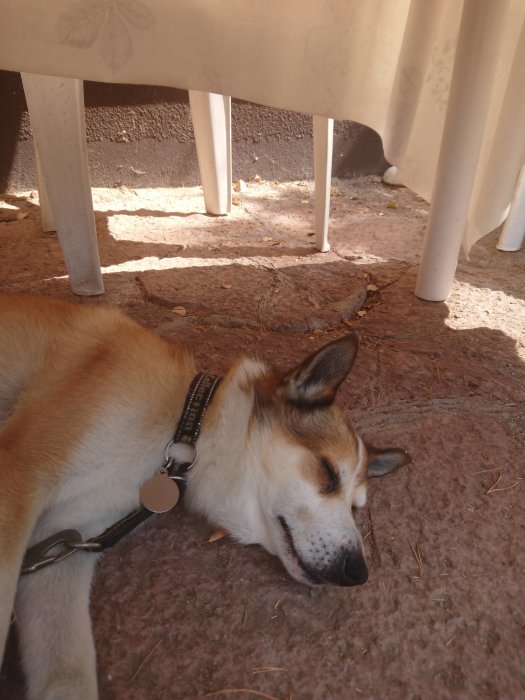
x: 217, y: 535
x: 392, y: 204
x: 361, y: 313
x: 371, y: 288
x: 226, y: 286
x: 179, y: 310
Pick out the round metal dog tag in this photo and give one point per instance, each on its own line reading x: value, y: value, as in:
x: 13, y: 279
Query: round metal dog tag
x: 160, y: 493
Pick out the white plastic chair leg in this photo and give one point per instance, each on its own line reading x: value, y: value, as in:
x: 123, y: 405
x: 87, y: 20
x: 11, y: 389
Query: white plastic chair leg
x: 46, y: 213
x: 211, y: 115
x: 470, y: 91
x: 513, y: 231
x: 56, y: 109
x: 323, y: 149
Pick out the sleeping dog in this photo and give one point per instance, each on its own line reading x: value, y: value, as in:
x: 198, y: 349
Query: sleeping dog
x: 89, y: 404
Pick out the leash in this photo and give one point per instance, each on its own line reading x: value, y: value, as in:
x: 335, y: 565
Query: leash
x: 158, y: 494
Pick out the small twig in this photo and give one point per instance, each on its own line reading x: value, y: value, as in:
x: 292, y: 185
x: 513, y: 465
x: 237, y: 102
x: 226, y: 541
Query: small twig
x: 190, y: 307
x: 241, y: 690
x: 389, y: 284
x: 146, y: 659
x: 142, y: 288
x: 484, y: 471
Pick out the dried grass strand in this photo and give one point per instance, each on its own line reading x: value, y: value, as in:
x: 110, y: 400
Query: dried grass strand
x: 494, y: 488
x: 268, y: 669
x: 147, y: 657
x: 417, y: 556
x: 256, y: 693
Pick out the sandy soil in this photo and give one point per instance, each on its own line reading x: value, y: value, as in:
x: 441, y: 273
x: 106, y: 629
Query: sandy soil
x: 442, y: 615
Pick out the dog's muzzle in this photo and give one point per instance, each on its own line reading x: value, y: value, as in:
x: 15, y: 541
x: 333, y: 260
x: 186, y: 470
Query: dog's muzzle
x: 347, y: 569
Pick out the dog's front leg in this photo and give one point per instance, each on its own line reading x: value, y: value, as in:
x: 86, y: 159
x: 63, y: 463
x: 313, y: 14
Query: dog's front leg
x: 19, y: 507
x: 56, y: 642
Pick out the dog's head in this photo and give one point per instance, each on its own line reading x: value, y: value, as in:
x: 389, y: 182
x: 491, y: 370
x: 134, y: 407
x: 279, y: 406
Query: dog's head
x: 308, y: 468
x: 286, y: 467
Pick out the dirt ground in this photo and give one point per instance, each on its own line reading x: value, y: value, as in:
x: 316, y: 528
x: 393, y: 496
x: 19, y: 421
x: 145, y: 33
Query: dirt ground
x: 442, y: 616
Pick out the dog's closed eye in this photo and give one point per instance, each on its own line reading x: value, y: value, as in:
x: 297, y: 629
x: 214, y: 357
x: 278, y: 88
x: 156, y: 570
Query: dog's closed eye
x: 330, y: 477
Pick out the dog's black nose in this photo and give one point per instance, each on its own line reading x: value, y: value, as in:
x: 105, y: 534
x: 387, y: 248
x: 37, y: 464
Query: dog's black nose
x: 356, y: 570
x: 348, y: 570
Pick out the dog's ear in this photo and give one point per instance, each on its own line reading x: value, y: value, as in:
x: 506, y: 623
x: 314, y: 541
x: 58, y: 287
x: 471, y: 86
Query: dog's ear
x: 381, y: 462
x: 314, y: 383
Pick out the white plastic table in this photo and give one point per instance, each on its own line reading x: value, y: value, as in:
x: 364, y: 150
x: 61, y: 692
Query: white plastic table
x: 442, y: 81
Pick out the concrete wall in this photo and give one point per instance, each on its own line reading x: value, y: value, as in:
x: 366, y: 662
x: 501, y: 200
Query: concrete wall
x: 141, y: 136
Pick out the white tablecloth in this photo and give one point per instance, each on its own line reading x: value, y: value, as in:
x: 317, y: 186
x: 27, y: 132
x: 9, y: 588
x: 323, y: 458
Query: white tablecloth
x: 384, y: 63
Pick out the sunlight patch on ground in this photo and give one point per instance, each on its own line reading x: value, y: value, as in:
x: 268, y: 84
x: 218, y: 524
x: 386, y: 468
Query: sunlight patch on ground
x: 488, y: 308
x: 154, y: 263
x: 161, y: 198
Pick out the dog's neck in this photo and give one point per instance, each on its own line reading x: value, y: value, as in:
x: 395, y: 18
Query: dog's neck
x: 222, y: 484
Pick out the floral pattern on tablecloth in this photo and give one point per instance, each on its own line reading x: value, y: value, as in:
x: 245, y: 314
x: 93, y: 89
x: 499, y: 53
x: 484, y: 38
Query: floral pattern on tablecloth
x: 104, y: 23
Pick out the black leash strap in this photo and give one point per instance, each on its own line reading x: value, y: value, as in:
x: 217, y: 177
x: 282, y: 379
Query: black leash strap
x: 119, y: 529
x: 198, y: 398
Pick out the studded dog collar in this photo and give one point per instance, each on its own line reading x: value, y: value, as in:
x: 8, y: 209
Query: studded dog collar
x: 158, y: 494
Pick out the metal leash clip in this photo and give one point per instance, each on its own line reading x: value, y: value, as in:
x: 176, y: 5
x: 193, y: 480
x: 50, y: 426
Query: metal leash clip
x: 179, y: 458
x: 67, y: 541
